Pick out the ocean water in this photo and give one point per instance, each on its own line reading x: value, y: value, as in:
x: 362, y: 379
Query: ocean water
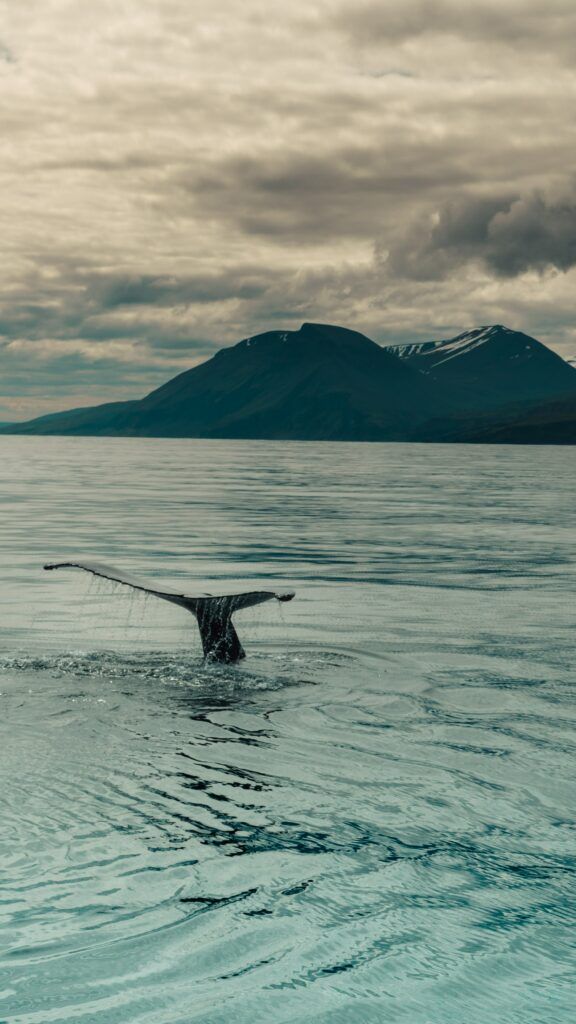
x: 371, y: 819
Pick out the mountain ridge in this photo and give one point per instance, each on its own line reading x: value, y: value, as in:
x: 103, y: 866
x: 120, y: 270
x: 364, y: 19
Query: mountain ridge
x: 492, y: 365
x: 326, y: 382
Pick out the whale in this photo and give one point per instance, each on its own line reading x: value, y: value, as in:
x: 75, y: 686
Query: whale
x: 213, y: 612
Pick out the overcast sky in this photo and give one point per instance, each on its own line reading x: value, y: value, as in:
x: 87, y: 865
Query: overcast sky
x: 178, y: 174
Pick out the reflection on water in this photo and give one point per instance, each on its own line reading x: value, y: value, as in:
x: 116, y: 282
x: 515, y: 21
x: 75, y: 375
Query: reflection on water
x: 370, y: 819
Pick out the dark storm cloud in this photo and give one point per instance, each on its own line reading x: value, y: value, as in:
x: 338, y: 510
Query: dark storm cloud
x: 302, y: 197
x: 81, y: 301
x: 166, y: 290
x: 513, y: 23
x: 509, y: 236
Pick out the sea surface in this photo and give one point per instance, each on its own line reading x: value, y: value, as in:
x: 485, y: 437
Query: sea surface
x: 369, y: 820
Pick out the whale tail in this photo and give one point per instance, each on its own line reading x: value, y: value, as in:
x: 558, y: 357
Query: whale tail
x: 220, y: 641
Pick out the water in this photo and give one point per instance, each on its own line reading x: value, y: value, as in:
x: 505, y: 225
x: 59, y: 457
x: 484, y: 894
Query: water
x: 371, y: 819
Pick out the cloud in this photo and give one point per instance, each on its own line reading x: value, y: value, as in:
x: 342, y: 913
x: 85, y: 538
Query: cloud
x: 302, y: 198
x: 169, y: 290
x: 508, y: 235
x: 177, y: 176
x: 524, y: 24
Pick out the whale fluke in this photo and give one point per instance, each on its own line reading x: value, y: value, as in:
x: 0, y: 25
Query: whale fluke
x: 213, y: 612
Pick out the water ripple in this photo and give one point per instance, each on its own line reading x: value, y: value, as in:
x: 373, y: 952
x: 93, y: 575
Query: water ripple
x: 370, y: 819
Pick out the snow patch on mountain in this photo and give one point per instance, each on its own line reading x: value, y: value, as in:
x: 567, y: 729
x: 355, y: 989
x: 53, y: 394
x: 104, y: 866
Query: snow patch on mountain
x: 451, y: 348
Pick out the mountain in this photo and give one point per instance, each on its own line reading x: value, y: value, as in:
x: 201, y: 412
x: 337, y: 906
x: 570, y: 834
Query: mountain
x: 492, y: 366
x: 549, y: 423
x: 323, y: 382
x: 318, y: 383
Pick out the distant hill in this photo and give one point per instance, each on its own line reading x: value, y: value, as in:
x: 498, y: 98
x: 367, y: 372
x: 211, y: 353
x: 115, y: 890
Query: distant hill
x: 97, y: 419
x: 492, y: 366
x: 329, y: 383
